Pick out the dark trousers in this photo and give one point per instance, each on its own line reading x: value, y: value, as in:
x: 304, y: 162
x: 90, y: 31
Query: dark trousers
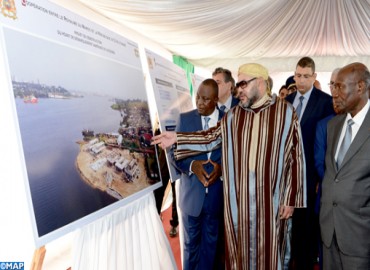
x: 174, y: 218
x: 305, y: 235
x: 201, y: 236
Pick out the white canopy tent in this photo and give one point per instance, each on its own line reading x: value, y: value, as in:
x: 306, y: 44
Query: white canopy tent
x: 229, y: 33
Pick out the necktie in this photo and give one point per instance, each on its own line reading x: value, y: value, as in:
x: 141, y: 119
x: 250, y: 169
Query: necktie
x: 299, y: 107
x: 223, y: 108
x: 345, y: 143
x: 206, y: 120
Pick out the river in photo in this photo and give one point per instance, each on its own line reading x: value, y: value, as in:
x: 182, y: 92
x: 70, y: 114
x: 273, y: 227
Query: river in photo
x: 50, y: 130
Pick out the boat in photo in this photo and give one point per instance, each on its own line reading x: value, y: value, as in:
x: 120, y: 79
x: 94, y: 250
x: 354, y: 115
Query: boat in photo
x: 30, y: 99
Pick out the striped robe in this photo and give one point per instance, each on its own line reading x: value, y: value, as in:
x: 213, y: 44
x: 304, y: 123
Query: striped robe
x: 263, y: 168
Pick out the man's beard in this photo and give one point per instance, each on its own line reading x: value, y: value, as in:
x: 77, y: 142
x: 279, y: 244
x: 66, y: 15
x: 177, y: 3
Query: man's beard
x: 252, y: 100
x: 248, y: 104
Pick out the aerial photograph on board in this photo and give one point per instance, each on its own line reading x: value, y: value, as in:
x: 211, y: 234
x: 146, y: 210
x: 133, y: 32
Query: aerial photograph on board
x: 85, y: 129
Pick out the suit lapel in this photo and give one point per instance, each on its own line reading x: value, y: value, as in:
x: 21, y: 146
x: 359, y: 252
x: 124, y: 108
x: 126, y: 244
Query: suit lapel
x: 291, y: 97
x: 214, y: 154
x: 336, y: 128
x: 361, y: 136
x: 234, y: 102
x: 198, y: 120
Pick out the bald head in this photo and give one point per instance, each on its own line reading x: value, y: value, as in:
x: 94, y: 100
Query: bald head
x: 334, y: 73
x: 351, y: 86
x: 359, y: 73
x: 333, y: 76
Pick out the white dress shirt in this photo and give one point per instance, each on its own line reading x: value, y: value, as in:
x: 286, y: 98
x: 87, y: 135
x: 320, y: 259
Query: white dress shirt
x: 227, y: 104
x: 358, y: 120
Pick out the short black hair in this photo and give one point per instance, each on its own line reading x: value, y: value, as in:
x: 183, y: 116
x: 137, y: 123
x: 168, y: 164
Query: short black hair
x: 212, y: 83
x: 307, y: 62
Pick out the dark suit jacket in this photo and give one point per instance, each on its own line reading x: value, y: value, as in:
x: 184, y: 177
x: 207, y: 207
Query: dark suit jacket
x: 192, y: 192
x: 234, y: 102
x: 319, y: 106
x: 345, y: 201
x: 320, y: 151
x: 321, y: 145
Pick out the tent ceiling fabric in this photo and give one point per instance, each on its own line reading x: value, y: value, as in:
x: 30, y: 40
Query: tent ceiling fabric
x: 229, y: 33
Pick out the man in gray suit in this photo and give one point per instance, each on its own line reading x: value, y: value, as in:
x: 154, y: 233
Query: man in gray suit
x: 345, y: 201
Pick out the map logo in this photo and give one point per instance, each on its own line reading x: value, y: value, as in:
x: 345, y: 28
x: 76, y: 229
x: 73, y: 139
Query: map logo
x: 11, y: 265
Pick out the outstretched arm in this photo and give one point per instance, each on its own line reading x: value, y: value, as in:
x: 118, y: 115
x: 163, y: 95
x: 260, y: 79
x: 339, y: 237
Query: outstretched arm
x: 201, y: 141
x: 165, y: 139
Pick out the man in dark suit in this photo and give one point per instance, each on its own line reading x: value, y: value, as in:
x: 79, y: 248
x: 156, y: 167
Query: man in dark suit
x: 320, y: 151
x: 226, y: 85
x: 321, y: 133
x: 345, y: 201
x: 201, y: 207
x: 311, y: 106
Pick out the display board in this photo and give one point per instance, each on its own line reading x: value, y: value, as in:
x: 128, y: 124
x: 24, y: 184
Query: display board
x: 196, y: 80
x: 172, y: 96
x: 83, y: 115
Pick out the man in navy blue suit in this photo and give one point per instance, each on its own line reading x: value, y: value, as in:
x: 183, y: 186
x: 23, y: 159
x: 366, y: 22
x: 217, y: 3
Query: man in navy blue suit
x: 226, y: 85
x: 311, y: 106
x: 201, y: 207
x: 321, y: 132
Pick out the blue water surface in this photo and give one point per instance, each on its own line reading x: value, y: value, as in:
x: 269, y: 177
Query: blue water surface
x: 49, y: 132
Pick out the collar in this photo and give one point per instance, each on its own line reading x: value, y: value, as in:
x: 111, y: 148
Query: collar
x: 360, y: 116
x: 213, y: 116
x: 260, y: 102
x: 305, y: 95
x: 227, y: 104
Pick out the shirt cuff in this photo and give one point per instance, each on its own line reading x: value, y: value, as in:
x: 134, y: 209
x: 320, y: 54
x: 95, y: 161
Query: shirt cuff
x: 190, y: 171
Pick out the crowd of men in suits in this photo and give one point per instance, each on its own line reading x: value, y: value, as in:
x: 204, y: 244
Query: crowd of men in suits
x: 314, y: 191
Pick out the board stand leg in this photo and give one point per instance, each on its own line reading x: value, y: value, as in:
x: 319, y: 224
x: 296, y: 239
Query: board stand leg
x: 38, y: 258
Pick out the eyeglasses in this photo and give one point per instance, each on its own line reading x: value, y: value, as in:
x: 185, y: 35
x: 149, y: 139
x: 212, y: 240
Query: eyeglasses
x: 243, y: 84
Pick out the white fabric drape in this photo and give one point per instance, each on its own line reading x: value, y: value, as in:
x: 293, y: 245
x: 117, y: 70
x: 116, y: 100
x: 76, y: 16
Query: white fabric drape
x: 131, y: 237
x: 229, y: 33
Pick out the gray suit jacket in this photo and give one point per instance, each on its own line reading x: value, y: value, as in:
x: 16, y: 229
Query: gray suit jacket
x: 345, y: 201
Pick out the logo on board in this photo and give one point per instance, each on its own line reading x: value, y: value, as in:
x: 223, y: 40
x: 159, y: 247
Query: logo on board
x: 8, y: 9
